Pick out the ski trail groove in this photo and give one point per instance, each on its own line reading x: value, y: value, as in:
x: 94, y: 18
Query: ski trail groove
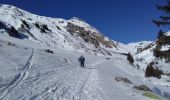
x: 30, y: 61
x: 56, y: 87
x: 12, y: 85
x: 55, y: 83
x: 84, y: 83
x: 73, y: 86
x: 19, y: 78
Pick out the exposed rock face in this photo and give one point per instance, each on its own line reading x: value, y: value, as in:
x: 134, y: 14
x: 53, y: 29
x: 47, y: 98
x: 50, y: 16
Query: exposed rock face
x: 12, y: 31
x: 162, y: 41
x: 42, y: 27
x: 88, y: 36
x: 143, y: 88
x: 49, y: 51
x: 56, y: 32
x: 122, y: 79
x: 139, y: 50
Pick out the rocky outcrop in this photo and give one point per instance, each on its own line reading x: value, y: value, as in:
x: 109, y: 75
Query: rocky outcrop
x: 140, y: 49
x: 142, y: 88
x: 12, y: 31
x: 42, y: 27
x: 162, y: 41
x: 122, y: 79
x: 55, y: 32
x: 88, y: 36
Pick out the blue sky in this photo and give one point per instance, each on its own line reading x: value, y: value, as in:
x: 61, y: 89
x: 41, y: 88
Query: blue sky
x: 121, y: 20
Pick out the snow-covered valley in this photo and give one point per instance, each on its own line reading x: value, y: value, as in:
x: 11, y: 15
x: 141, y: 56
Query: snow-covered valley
x: 39, y: 61
x: 30, y: 73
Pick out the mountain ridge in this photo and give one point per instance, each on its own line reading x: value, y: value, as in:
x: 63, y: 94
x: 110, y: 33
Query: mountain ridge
x: 39, y: 60
x: 83, y: 36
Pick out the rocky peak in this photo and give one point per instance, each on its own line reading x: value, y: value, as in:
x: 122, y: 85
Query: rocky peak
x: 89, y: 36
x: 73, y: 34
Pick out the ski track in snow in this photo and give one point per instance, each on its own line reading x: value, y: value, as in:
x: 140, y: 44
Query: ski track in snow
x: 60, y: 83
x: 19, y: 78
x: 44, y: 76
x: 71, y: 86
x: 30, y: 61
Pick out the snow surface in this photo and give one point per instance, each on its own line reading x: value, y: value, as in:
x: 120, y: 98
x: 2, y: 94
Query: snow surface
x: 134, y: 46
x: 29, y: 73
x: 165, y: 48
x: 167, y: 33
x: 147, y: 56
x: 58, y: 37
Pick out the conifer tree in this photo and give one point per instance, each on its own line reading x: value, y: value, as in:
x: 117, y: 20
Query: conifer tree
x: 130, y: 58
x: 160, y: 34
x: 164, y: 20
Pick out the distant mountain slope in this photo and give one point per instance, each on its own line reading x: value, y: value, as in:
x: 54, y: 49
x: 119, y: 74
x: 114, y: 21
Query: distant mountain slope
x: 137, y: 47
x: 38, y: 58
x: 157, y: 53
x: 73, y: 34
x: 28, y: 72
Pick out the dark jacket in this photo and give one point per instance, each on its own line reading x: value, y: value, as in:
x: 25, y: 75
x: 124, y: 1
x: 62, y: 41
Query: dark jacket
x: 81, y: 59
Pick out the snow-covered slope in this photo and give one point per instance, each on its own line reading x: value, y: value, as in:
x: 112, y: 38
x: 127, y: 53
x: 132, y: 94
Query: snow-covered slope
x: 158, y: 53
x: 73, y: 34
x: 137, y: 47
x: 38, y: 58
x: 167, y: 33
x: 29, y: 73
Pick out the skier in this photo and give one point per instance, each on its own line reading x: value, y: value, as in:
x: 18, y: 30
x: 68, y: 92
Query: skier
x: 81, y: 60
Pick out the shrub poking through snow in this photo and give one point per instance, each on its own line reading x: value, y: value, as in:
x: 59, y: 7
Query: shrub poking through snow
x: 66, y: 60
x: 168, y: 80
x: 152, y: 72
x: 108, y: 58
x: 58, y: 28
x: 11, y: 44
x: 137, y: 65
x: 130, y: 58
x: 158, y: 73
x: 49, y: 51
x: 167, y: 74
x: 151, y: 95
x: 149, y: 71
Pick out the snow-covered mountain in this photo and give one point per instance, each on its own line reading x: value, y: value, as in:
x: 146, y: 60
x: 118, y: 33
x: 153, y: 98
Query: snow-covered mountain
x: 158, y: 53
x: 38, y: 61
x: 138, y: 47
x: 73, y: 34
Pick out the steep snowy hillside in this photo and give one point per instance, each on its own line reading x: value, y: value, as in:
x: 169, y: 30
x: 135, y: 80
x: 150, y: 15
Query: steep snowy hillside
x: 39, y: 61
x: 137, y: 47
x: 29, y: 72
x: 158, y: 54
x: 73, y: 34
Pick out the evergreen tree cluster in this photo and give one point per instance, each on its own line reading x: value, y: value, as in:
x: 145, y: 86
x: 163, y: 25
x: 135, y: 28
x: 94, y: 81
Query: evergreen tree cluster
x: 160, y: 34
x: 165, y: 19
